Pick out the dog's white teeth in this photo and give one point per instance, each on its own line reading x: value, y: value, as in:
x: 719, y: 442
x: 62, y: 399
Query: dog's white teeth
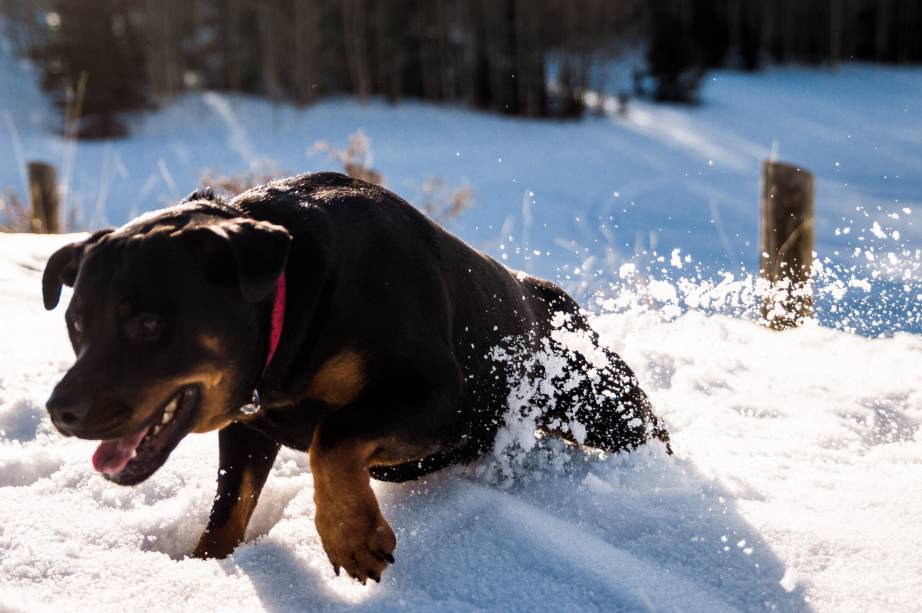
x: 169, y: 410
x: 156, y: 430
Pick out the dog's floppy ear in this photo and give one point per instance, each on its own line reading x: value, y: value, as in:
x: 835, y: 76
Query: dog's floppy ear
x: 63, y: 266
x: 260, y: 252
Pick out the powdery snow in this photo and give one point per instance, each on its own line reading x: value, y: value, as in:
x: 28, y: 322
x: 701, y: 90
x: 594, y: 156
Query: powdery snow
x: 795, y: 482
x: 572, y: 201
x: 794, y: 486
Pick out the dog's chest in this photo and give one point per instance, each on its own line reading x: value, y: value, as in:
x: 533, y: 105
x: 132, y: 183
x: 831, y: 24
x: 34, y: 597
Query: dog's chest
x: 291, y: 427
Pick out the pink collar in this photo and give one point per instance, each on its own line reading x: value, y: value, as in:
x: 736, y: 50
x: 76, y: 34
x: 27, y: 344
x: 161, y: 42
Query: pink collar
x: 275, y: 335
x: 278, y: 320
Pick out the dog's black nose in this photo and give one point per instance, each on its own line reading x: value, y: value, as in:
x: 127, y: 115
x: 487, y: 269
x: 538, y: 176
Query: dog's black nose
x: 67, y: 412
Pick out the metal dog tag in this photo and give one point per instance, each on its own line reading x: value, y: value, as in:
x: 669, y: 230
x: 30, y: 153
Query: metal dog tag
x: 253, y: 406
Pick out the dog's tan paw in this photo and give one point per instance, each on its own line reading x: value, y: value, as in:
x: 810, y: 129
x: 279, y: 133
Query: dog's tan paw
x: 362, y: 546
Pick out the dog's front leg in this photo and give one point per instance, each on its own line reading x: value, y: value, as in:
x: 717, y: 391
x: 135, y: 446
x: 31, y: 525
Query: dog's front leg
x: 352, y: 530
x: 246, y: 456
x: 392, y: 427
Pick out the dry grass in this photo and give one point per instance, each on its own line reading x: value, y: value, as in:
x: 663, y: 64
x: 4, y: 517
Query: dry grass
x: 231, y: 185
x: 355, y: 158
x: 14, y: 217
x: 442, y: 203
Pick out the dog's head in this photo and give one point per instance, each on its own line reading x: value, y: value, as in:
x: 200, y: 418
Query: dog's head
x: 168, y: 322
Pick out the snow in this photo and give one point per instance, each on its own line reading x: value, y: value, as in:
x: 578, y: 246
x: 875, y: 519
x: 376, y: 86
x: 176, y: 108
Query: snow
x: 570, y: 201
x: 793, y: 486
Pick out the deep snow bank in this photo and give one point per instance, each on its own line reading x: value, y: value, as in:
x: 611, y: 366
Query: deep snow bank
x: 795, y: 485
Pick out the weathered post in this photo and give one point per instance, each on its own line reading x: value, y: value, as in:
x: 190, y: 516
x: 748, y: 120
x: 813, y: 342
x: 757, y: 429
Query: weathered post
x: 786, y: 244
x: 43, y: 198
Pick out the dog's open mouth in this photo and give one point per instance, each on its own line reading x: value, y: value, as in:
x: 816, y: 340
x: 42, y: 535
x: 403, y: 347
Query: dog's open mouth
x: 132, y: 458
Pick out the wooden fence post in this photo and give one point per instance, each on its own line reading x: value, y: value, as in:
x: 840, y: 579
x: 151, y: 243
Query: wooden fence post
x: 786, y: 244
x: 43, y: 198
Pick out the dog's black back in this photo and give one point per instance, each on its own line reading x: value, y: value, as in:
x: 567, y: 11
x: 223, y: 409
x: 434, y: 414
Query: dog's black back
x: 369, y: 271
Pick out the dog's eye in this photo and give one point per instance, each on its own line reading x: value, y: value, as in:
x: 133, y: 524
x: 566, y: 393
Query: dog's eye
x: 148, y: 327
x: 78, y: 326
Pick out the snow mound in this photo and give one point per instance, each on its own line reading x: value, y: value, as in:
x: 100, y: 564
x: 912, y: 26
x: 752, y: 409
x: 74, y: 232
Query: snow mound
x: 794, y: 486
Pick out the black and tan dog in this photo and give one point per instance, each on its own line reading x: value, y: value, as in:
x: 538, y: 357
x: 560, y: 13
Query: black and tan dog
x: 381, y: 332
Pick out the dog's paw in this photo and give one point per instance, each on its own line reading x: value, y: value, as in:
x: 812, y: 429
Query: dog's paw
x: 214, y: 545
x: 363, y: 546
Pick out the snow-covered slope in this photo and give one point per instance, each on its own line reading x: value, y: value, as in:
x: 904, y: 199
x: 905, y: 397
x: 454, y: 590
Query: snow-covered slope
x: 795, y: 483
x: 571, y: 201
x: 794, y: 486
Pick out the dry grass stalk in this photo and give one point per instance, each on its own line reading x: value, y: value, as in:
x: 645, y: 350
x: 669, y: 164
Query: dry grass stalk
x: 443, y: 204
x: 356, y: 158
x: 14, y: 217
x: 231, y: 185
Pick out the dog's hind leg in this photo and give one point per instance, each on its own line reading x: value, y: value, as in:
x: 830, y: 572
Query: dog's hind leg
x: 246, y: 456
x: 606, y: 401
x: 616, y: 413
x: 603, y: 406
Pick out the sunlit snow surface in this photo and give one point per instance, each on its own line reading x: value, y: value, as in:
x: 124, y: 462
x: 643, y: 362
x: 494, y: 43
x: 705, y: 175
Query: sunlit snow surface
x: 569, y: 201
x: 795, y: 483
x: 794, y: 486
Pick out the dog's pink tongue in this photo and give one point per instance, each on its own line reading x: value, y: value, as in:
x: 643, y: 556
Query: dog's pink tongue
x: 111, y: 456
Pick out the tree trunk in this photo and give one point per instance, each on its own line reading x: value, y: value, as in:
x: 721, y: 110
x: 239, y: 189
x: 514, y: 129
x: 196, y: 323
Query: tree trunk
x: 355, y: 31
x: 882, y: 34
x: 836, y: 10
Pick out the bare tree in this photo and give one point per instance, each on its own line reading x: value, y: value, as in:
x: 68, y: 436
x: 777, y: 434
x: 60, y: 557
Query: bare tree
x: 523, y: 57
x: 355, y: 29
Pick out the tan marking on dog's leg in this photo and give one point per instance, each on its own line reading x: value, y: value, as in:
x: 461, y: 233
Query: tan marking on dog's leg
x: 353, y: 532
x: 220, y: 541
x: 339, y: 380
